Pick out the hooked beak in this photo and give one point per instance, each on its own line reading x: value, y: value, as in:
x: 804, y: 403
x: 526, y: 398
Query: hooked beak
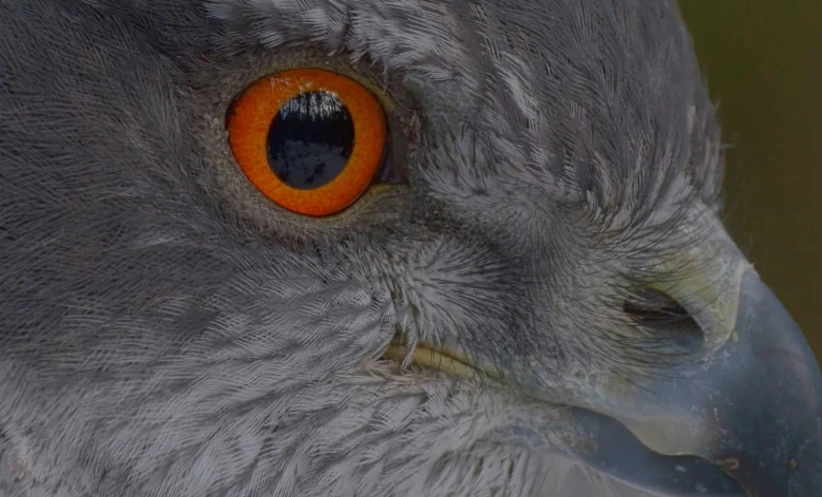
x: 747, y: 421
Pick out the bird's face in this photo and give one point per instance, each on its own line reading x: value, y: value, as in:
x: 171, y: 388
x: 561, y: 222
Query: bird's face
x: 537, y: 298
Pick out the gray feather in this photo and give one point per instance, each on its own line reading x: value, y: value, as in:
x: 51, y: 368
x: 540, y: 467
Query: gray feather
x: 169, y: 332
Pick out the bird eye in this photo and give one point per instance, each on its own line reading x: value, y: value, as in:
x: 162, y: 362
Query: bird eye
x: 311, y: 141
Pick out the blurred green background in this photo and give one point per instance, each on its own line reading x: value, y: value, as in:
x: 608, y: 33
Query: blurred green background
x: 763, y: 64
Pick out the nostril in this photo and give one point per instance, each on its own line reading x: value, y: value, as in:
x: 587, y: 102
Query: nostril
x: 654, y: 308
x: 659, y: 313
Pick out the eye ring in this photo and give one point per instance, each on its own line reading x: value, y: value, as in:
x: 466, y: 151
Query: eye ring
x: 251, y: 121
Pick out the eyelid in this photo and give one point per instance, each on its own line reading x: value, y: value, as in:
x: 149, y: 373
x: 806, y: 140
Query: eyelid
x: 379, y: 92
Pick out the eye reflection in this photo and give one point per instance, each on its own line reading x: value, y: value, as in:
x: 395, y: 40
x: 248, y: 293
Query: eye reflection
x: 310, y: 140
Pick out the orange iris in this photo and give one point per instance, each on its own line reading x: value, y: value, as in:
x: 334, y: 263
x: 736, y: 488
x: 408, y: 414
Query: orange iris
x: 309, y: 140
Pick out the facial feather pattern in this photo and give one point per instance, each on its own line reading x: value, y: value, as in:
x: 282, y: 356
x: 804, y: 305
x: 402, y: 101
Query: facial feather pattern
x: 167, y: 332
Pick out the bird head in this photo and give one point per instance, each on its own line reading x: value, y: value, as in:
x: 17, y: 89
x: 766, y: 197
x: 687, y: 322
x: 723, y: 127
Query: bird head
x: 406, y: 247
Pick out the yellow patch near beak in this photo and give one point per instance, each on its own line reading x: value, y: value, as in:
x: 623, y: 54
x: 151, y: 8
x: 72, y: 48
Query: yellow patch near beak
x: 441, y: 359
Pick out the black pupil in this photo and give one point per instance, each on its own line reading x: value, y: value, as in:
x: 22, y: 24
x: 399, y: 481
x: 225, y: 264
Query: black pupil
x: 310, y: 140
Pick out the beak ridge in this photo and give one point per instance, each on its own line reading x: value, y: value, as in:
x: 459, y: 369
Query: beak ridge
x: 746, y: 423
x: 769, y: 435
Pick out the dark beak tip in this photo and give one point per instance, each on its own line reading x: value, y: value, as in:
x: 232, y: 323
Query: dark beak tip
x: 751, y: 416
x: 775, y: 421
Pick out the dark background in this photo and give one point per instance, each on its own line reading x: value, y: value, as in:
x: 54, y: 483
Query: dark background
x: 763, y: 64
